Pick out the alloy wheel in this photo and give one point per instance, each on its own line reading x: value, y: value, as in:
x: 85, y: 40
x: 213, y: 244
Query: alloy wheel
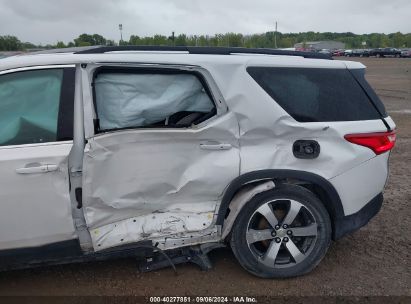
x: 281, y: 233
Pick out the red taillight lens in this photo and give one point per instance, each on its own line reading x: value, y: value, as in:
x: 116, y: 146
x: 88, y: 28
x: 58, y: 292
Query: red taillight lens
x: 378, y: 142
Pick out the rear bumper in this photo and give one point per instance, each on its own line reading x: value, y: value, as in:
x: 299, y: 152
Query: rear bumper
x: 355, y: 221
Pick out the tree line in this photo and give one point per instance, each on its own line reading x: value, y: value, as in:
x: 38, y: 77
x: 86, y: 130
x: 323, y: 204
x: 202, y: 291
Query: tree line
x: 265, y: 40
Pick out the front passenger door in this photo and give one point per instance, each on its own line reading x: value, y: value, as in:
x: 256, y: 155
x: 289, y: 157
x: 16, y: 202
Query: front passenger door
x: 36, y: 126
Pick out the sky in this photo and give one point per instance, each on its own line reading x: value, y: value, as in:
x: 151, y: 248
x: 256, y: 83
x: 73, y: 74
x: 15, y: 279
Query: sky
x: 49, y: 21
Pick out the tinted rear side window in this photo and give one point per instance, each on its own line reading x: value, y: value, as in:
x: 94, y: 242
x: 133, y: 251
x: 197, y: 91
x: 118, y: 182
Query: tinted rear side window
x: 311, y: 95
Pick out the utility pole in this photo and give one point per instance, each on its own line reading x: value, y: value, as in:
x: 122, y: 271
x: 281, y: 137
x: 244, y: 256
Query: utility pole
x: 275, y: 35
x: 120, y: 27
x: 173, y: 37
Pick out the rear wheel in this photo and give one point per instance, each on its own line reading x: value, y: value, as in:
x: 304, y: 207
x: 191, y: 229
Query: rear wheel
x: 280, y: 233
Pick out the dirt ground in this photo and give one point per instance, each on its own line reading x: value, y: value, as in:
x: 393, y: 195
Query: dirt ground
x: 372, y: 261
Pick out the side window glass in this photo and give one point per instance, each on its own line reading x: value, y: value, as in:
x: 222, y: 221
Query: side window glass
x: 29, y: 106
x: 311, y: 95
x: 142, y: 99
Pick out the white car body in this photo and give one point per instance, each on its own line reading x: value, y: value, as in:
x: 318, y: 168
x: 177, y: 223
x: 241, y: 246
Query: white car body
x: 169, y: 186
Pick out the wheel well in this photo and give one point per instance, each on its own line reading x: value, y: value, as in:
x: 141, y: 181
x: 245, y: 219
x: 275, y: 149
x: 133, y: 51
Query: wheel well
x: 325, y: 200
x: 321, y: 187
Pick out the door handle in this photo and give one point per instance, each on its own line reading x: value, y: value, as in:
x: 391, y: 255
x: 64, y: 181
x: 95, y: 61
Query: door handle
x: 216, y: 146
x: 37, y: 169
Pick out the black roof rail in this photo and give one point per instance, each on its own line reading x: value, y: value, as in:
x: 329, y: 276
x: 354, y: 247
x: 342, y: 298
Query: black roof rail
x: 203, y: 50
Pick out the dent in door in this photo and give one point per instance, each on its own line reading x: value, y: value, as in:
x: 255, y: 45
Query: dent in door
x: 134, y: 189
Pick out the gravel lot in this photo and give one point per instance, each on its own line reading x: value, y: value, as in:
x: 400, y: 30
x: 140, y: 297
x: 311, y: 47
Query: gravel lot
x: 373, y: 261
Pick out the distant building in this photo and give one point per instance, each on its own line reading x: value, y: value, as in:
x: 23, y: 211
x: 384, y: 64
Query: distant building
x: 319, y: 45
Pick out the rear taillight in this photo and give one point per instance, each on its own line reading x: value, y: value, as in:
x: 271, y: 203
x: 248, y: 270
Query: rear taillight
x: 378, y: 142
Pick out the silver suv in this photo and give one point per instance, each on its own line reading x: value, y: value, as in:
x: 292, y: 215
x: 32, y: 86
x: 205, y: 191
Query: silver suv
x: 166, y: 153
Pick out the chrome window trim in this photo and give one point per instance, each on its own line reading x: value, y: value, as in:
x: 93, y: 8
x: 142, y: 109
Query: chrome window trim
x: 51, y: 143
x: 37, y: 67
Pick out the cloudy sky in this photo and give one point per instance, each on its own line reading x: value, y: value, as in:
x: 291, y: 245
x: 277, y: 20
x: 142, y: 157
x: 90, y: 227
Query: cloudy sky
x: 47, y: 21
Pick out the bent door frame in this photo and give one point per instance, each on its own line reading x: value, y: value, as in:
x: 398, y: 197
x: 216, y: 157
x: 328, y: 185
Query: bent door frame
x: 210, y: 234
x: 88, y: 70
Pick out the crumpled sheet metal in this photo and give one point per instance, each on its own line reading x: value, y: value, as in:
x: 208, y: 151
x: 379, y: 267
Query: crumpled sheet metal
x: 150, y: 226
x: 120, y: 181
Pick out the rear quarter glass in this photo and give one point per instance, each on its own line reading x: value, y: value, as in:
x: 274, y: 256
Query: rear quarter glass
x: 318, y: 95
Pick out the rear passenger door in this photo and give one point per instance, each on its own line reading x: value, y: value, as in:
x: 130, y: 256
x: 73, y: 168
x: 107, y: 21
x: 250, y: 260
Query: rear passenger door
x: 36, y: 126
x: 162, y: 149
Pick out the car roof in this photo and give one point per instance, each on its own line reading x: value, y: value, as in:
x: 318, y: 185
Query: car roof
x: 176, y: 56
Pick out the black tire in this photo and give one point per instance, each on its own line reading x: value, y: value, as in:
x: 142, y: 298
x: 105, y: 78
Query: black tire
x: 246, y: 253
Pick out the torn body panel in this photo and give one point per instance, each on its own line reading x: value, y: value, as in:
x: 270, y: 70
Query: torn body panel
x: 240, y: 199
x: 160, y: 224
x: 172, y: 174
x: 138, y: 172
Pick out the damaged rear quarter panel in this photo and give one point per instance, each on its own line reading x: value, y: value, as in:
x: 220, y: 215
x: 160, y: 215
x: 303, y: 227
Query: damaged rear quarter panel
x: 267, y: 132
